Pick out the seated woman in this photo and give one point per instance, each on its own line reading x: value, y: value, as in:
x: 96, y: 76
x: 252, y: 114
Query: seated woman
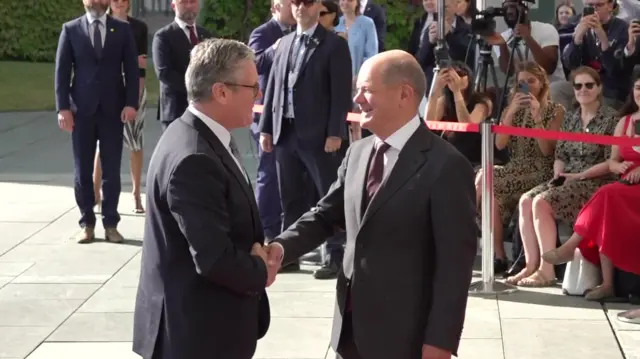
x: 456, y: 101
x: 579, y: 170
x: 531, y: 160
x: 606, y: 230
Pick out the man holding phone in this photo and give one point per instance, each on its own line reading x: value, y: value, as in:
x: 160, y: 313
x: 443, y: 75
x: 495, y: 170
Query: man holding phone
x: 598, y: 42
x: 631, y: 53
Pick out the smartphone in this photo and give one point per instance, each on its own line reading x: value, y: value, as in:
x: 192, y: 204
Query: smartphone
x: 636, y: 126
x: 523, y: 87
x: 588, y: 10
x: 557, y: 182
x: 444, y: 64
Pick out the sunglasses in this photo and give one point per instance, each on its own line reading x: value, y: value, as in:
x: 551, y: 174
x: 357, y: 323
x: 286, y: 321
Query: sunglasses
x: 589, y: 85
x: 303, y: 2
x: 325, y: 13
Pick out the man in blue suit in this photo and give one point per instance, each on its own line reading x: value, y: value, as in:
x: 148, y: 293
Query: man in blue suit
x: 93, y: 100
x: 264, y: 41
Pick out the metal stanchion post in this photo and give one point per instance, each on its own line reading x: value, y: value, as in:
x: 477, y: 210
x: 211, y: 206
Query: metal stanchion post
x: 488, y: 285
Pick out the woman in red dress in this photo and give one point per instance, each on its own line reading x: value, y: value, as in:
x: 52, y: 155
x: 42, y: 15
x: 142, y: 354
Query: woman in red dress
x: 606, y: 230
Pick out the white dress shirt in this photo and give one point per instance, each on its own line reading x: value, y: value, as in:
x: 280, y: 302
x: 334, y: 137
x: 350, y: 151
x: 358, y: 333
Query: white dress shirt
x: 183, y: 25
x: 396, y: 142
x: 103, y: 27
x: 222, y: 133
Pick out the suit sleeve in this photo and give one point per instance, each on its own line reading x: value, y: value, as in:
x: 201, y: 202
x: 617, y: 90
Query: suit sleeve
x: 161, y: 54
x: 196, y: 197
x: 340, y: 83
x: 263, y: 50
x: 64, y: 64
x: 315, y: 226
x: 380, y: 21
x: 131, y: 69
x: 453, y: 214
x: 265, y: 125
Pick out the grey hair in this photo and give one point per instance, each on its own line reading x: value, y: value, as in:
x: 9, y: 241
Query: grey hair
x: 405, y: 71
x: 214, y: 61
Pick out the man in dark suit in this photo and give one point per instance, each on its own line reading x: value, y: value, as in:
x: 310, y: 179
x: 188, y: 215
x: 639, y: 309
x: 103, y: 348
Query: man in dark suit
x: 377, y: 14
x: 170, y: 52
x: 93, y: 99
x: 306, y: 103
x: 263, y: 41
x: 203, y: 277
x: 407, y: 201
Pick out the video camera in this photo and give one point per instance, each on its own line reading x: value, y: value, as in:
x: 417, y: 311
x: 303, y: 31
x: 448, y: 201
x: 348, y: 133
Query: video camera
x: 513, y: 11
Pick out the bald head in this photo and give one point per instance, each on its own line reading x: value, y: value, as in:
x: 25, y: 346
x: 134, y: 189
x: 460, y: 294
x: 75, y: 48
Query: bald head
x: 397, y: 67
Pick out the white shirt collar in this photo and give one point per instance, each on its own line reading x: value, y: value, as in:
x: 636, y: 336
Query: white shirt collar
x: 102, y: 19
x: 363, y: 5
x: 308, y: 31
x: 398, y: 139
x: 222, y: 133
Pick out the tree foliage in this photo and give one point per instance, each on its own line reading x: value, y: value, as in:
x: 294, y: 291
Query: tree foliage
x: 30, y: 28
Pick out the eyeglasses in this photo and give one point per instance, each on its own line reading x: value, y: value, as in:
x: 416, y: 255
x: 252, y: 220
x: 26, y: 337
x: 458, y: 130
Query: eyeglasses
x: 589, y: 85
x: 304, y: 2
x: 255, y: 88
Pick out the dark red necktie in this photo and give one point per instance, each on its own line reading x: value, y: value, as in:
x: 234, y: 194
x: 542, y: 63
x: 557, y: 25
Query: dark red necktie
x: 376, y: 170
x: 374, y: 180
x: 192, y: 35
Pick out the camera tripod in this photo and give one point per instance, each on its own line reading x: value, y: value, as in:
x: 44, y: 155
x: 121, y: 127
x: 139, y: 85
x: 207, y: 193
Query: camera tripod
x: 485, y: 67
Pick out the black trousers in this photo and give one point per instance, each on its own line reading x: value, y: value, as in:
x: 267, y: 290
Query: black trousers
x: 347, y: 347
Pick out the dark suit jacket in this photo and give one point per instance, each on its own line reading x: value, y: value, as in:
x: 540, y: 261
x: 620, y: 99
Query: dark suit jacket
x: 322, y: 93
x: 260, y: 41
x: 458, y: 41
x: 171, y: 50
x: 409, y: 256
x: 201, y: 294
x: 86, y: 81
x: 377, y: 14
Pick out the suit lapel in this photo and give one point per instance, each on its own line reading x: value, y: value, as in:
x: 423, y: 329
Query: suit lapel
x: 181, y: 36
x: 224, y: 155
x: 108, y: 35
x: 411, y: 158
x: 318, y: 35
x: 359, y: 185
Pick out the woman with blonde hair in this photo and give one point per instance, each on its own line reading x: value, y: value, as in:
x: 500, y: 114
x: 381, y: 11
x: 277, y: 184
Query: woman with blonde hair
x: 531, y: 159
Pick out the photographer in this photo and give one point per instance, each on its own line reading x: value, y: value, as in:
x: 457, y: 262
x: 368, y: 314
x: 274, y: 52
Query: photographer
x: 598, y: 42
x: 456, y: 101
x: 631, y: 54
x: 533, y: 39
x: 457, y: 37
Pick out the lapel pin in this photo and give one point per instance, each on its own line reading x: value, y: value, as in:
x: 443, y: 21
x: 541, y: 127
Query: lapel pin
x: 113, y: 30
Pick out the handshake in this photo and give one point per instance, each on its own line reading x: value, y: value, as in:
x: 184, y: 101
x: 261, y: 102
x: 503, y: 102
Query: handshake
x: 272, y: 255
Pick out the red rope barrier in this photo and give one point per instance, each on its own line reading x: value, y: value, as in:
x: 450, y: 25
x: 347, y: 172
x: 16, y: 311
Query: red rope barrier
x: 517, y: 131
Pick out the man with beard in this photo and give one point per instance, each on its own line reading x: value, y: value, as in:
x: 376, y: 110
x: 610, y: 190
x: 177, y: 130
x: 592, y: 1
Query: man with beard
x: 171, y: 47
x: 93, y: 99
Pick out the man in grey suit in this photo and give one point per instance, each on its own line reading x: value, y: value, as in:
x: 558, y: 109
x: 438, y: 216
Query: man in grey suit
x: 203, y: 274
x: 407, y: 201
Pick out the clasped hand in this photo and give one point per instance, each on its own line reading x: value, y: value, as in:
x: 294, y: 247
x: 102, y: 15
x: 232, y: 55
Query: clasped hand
x: 272, y: 255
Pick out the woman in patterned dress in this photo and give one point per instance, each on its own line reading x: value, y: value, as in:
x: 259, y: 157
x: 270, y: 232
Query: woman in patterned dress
x: 132, y: 130
x: 531, y: 160
x: 579, y: 170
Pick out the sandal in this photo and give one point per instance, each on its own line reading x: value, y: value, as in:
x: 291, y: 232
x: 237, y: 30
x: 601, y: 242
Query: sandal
x: 536, y: 280
x: 138, y: 208
x: 599, y: 293
x: 556, y: 257
x: 513, y: 280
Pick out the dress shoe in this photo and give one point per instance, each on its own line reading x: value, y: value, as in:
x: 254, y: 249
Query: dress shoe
x: 328, y: 271
x: 112, y: 235
x: 290, y: 268
x: 87, y: 235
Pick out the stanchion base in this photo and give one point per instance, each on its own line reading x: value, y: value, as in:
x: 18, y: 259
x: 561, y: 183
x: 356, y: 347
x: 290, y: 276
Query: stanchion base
x: 491, y: 288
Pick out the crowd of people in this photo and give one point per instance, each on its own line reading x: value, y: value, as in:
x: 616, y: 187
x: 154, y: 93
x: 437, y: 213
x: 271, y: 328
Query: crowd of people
x: 318, y: 176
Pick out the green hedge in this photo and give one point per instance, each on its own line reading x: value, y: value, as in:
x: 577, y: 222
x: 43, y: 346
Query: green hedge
x: 30, y: 28
x: 236, y: 18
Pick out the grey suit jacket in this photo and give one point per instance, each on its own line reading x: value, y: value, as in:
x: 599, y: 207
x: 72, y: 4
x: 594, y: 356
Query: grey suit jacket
x: 409, y: 255
x: 201, y: 294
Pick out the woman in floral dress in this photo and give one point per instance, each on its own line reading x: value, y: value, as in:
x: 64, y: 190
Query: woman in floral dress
x: 531, y: 159
x: 579, y: 170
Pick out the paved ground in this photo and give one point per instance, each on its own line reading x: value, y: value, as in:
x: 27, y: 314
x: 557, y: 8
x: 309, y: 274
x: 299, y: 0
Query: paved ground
x: 63, y: 300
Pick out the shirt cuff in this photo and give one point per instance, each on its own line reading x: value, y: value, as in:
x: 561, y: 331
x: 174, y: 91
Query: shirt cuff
x: 626, y: 52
